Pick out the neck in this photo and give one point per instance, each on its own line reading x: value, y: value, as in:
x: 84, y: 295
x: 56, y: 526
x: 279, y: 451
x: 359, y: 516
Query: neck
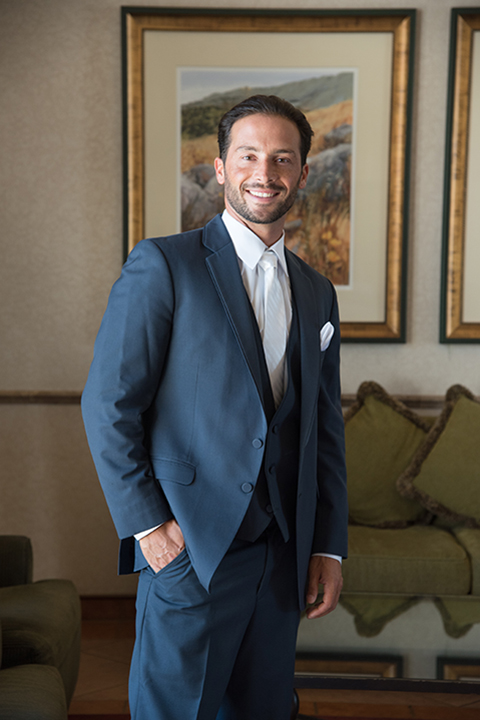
x: 269, y: 233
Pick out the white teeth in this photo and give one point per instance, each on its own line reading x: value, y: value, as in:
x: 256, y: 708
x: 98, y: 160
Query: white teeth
x: 262, y: 195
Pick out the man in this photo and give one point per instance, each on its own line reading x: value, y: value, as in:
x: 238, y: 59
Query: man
x: 213, y: 414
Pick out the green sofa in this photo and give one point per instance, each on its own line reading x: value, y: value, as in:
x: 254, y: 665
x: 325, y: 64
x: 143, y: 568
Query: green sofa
x: 40, y: 624
x: 414, y: 497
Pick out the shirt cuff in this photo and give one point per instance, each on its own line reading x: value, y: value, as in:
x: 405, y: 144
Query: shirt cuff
x: 144, y: 533
x: 335, y: 557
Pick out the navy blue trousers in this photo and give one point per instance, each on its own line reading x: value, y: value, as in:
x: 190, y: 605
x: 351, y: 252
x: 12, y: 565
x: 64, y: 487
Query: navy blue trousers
x: 223, y: 655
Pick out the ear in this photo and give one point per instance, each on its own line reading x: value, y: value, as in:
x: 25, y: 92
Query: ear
x: 219, y: 171
x: 303, y: 177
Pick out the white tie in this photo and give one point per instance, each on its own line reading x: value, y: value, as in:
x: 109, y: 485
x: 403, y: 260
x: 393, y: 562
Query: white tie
x: 275, y: 325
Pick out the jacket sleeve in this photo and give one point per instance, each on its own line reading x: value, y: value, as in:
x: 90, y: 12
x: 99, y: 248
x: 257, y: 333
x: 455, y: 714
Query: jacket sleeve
x: 331, y: 529
x: 129, y: 355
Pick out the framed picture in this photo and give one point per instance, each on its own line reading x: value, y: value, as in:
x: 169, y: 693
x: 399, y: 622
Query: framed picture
x: 348, y: 665
x: 350, y: 72
x: 467, y: 669
x: 460, y: 301
x: 312, y: 668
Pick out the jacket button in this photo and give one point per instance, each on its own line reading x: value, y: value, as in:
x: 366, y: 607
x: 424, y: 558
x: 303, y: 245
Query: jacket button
x: 275, y: 429
x: 247, y: 487
x: 257, y: 443
x: 271, y: 469
x: 269, y: 509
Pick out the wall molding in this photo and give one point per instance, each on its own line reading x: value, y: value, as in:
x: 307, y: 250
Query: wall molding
x: 417, y: 402
x: 39, y: 397
x: 65, y: 397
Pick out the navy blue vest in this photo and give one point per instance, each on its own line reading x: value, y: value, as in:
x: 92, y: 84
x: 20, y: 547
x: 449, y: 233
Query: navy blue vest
x: 276, y: 489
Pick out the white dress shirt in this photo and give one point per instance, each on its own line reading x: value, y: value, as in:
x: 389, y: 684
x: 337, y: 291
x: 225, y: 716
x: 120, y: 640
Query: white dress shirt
x: 249, y: 249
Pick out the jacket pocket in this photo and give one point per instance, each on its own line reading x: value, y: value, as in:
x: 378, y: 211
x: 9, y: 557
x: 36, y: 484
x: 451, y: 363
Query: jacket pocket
x: 173, y: 470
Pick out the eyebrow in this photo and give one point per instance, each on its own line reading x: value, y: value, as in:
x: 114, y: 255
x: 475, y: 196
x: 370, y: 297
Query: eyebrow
x: 251, y: 148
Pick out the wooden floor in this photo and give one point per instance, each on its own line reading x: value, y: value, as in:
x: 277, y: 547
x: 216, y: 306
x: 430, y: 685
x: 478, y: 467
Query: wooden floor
x: 338, y: 704
x: 107, y: 642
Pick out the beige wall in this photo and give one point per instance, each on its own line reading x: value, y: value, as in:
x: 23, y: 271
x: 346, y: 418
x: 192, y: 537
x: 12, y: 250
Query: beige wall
x: 60, y: 183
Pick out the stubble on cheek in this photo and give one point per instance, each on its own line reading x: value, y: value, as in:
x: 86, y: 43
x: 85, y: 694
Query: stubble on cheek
x: 259, y: 215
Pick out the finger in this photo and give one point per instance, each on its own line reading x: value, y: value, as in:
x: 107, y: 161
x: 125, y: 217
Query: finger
x: 318, y: 611
x: 312, y: 591
x: 329, y: 603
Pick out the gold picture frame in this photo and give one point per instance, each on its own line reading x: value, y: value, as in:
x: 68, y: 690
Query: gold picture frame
x: 467, y: 669
x: 462, y: 137
x: 348, y: 665
x: 331, y: 668
x: 389, y: 323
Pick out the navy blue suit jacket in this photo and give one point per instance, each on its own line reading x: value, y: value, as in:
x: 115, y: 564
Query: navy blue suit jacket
x: 173, y: 403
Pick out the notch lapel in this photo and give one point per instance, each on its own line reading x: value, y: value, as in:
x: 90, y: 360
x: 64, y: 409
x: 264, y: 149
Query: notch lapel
x: 224, y: 270
x: 308, y: 325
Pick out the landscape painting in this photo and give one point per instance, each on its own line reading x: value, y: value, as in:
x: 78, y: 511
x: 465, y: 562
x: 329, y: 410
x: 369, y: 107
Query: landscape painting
x: 318, y: 226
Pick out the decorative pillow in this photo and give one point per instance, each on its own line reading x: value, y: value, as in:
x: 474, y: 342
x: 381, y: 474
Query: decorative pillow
x: 444, y: 475
x: 382, y: 436
x: 469, y: 538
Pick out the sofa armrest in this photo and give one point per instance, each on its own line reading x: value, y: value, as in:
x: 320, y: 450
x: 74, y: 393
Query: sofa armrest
x: 16, y: 560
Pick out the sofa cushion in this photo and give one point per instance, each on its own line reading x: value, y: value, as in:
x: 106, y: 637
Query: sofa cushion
x: 32, y: 692
x: 41, y: 623
x: 382, y: 436
x: 444, y: 473
x: 418, y: 560
x: 469, y: 538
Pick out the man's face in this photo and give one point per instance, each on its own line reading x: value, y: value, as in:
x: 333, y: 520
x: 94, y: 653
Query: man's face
x: 263, y: 170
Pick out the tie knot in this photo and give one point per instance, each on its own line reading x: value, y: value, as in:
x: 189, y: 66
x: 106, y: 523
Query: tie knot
x: 268, y: 261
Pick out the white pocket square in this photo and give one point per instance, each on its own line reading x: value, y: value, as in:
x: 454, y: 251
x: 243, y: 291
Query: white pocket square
x: 326, y: 334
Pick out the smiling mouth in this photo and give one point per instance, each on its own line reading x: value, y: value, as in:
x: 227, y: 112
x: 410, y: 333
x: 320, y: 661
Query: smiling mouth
x: 262, y: 193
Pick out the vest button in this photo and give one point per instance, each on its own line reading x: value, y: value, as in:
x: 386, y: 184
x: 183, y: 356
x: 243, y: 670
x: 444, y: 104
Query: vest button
x: 257, y: 443
x: 271, y: 469
x: 247, y: 487
x: 275, y: 429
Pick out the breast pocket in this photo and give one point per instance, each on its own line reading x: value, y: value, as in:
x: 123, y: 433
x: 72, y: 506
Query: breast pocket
x: 326, y: 334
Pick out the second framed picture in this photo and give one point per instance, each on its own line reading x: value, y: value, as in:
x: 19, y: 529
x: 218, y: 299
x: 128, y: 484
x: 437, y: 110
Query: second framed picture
x: 460, y: 320
x: 349, y: 72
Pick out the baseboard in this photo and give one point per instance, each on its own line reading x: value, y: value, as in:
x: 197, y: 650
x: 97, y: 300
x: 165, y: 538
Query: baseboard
x: 104, y: 607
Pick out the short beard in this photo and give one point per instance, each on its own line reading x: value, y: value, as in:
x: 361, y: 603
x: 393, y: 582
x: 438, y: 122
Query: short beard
x: 237, y: 202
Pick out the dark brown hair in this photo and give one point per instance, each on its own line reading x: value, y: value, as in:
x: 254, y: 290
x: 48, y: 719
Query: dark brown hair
x: 264, y: 105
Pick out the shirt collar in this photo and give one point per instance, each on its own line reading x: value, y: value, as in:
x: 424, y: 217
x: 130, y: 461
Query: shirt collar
x: 248, y: 246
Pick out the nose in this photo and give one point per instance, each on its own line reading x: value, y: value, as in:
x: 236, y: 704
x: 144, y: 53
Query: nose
x: 266, y: 171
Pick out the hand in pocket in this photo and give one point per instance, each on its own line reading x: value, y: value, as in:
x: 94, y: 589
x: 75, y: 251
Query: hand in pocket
x: 162, y: 545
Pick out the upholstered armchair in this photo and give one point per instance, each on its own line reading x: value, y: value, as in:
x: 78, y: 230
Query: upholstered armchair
x: 40, y: 626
